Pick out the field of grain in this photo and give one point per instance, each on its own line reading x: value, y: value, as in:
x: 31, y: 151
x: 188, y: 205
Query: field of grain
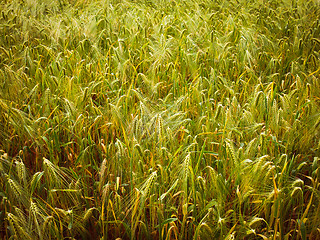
x: 159, y: 119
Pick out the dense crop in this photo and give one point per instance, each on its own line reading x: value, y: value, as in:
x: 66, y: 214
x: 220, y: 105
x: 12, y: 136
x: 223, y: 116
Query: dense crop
x: 160, y: 119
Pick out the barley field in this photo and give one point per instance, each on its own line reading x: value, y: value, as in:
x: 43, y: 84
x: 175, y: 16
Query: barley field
x: 159, y: 119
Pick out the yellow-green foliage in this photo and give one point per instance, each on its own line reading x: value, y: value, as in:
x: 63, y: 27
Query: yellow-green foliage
x: 159, y: 119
